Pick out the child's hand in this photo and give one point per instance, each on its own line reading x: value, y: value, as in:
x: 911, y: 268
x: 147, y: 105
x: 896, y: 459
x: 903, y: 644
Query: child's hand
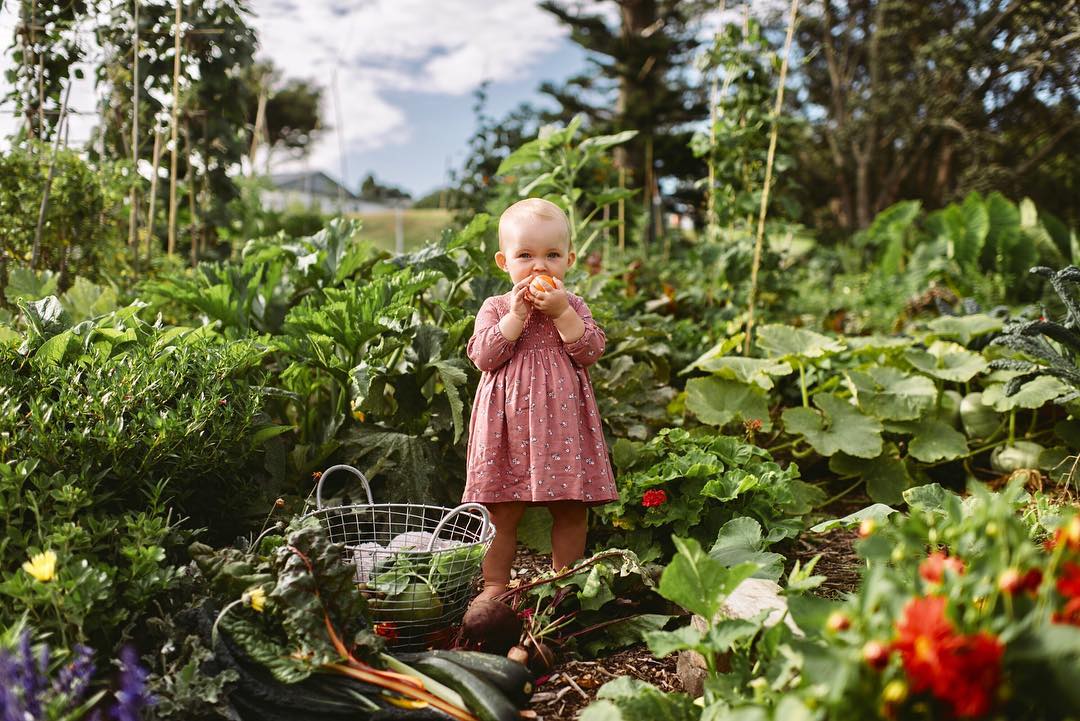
x: 520, y: 304
x: 551, y: 303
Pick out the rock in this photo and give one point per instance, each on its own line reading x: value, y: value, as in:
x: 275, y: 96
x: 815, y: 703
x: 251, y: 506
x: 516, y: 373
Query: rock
x: 750, y: 598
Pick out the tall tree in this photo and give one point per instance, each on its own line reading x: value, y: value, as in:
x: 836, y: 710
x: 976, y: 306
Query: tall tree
x: 930, y: 99
x: 640, y: 80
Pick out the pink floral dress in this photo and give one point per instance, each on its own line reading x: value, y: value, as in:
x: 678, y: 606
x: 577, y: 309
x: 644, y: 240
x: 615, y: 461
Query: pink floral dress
x: 535, y: 434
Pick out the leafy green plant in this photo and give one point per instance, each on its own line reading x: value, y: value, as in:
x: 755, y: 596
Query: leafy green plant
x: 884, y: 411
x: 107, y: 428
x: 549, y: 167
x: 691, y: 485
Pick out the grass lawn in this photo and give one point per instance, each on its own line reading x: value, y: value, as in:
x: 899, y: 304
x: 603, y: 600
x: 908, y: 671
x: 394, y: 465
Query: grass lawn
x: 420, y: 227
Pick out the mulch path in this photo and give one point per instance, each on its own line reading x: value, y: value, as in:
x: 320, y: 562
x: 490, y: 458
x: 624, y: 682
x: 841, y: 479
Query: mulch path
x: 573, y: 683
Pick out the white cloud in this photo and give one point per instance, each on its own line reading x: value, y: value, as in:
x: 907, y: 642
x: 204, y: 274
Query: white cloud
x: 383, y: 46
x: 373, y: 48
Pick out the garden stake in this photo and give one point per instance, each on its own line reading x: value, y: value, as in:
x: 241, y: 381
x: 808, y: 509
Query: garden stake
x: 36, y: 252
x: 768, y: 173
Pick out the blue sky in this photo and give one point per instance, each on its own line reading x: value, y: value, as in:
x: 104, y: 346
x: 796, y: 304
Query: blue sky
x: 441, y: 124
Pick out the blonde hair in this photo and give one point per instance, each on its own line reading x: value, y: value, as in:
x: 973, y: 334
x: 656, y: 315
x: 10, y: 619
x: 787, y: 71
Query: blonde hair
x: 533, y: 209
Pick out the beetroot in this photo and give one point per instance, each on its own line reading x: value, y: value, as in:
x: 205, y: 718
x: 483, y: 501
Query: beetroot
x: 491, y: 625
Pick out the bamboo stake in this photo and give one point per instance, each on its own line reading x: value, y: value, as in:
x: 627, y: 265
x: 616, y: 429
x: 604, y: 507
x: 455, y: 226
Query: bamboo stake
x: 192, y: 227
x: 35, y: 253
x: 792, y: 17
x: 714, y: 97
x: 622, y: 210
x: 175, y: 143
x: 153, y: 194
x: 260, y: 119
x: 133, y: 216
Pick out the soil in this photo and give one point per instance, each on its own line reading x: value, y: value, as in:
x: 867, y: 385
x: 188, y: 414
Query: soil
x: 573, y: 683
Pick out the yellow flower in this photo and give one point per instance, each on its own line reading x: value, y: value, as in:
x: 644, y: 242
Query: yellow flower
x: 895, y: 692
x: 42, y: 566
x: 620, y: 522
x: 256, y: 598
x: 358, y: 415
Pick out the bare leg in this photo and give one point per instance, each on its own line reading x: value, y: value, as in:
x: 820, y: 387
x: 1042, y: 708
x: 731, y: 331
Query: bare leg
x: 569, y: 521
x: 500, y: 557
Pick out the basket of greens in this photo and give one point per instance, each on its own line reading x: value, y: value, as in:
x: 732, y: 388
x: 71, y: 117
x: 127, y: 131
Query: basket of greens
x: 416, y: 564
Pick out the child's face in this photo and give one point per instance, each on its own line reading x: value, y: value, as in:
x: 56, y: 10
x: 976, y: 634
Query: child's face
x: 529, y: 249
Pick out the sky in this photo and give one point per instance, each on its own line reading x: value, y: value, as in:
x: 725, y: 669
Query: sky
x: 398, y: 75
x: 405, y: 72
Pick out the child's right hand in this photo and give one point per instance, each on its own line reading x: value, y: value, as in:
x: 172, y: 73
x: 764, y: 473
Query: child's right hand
x: 519, y: 301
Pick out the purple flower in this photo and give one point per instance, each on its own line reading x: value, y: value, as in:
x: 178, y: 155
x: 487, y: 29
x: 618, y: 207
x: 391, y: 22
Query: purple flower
x: 74, y: 678
x: 133, y: 695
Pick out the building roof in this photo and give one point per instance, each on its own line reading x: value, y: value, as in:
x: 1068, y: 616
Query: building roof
x: 314, y: 182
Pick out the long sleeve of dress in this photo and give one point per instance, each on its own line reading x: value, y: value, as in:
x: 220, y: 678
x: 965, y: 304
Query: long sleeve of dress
x: 587, y: 349
x: 488, y: 348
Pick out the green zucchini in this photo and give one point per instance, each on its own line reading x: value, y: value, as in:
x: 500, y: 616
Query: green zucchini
x: 481, y: 696
x: 511, y: 677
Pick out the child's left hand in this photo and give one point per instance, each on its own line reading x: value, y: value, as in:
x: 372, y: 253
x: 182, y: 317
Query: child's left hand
x: 551, y: 303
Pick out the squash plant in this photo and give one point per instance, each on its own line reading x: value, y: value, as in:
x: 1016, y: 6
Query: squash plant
x: 883, y: 410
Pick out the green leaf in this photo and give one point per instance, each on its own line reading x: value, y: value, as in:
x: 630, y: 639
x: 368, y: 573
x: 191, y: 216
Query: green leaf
x: 625, y: 633
x: 26, y: 284
x: 891, y: 394
x: 963, y: 328
x: 740, y: 541
x: 662, y: 643
x: 1034, y: 394
x: 758, y: 371
x: 931, y: 497
x: 836, y: 426
x: 628, y: 699
x: 936, y: 440
x: 719, y: 350
x: 453, y: 377
x: 698, y: 583
x: 886, y: 476
x: 261, y: 434
x: 947, y: 361
x: 878, y: 512
x: 717, y: 401
x: 789, y: 342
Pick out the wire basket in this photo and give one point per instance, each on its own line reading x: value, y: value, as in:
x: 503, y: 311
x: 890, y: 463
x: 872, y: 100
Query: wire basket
x: 417, y: 565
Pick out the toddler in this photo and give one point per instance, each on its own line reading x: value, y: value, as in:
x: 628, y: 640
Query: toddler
x: 534, y: 435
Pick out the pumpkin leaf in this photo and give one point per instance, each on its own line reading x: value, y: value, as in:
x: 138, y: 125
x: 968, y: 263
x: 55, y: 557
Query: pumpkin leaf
x: 758, y: 371
x: 936, y: 440
x: 785, y: 341
x: 947, y: 361
x: 891, y: 394
x: 718, y: 401
x: 1034, y: 394
x: 836, y: 426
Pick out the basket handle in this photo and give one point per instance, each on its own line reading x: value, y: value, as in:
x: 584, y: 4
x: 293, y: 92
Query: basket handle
x: 485, y: 518
x: 341, y: 467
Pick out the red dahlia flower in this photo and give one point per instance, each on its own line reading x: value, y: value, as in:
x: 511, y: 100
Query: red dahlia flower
x: 1068, y: 584
x: 933, y: 568
x: 654, y: 497
x: 963, y: 671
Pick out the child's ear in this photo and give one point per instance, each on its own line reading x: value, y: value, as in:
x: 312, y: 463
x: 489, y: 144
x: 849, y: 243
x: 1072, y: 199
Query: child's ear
x: 500, y: 260
x: 570, y: 258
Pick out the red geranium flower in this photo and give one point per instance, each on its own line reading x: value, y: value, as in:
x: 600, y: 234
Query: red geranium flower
x: 654, y: 497
x: 976, y: 672
x: 1070, y: 614
x: 933, y: 568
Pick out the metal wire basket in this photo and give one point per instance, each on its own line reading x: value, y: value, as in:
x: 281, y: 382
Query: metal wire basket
x: 417, y: 565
